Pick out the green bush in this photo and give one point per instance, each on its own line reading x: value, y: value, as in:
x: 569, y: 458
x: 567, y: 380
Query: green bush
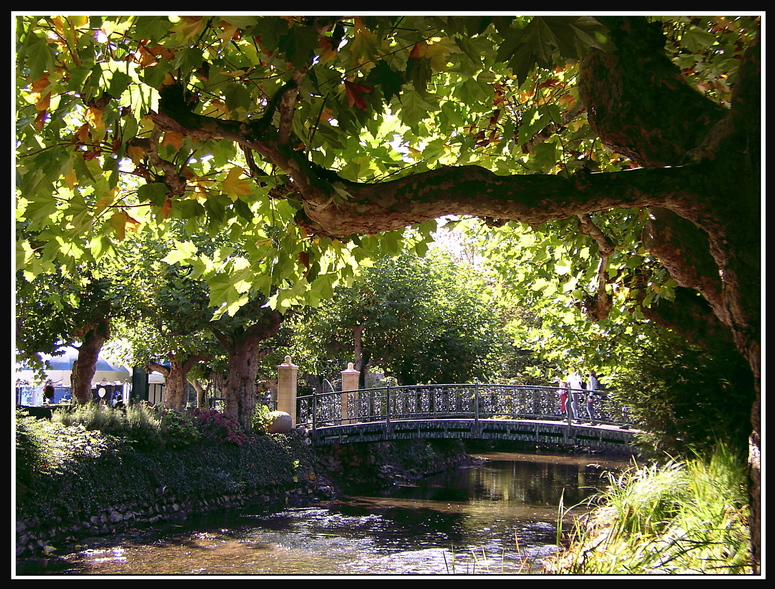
x: 153, y: 427
x: 217, y: 428
x: 146, y: 427
x: 682, y: 517
x: 688, y: 397
x: 261, y: 420
x: 44, y: 446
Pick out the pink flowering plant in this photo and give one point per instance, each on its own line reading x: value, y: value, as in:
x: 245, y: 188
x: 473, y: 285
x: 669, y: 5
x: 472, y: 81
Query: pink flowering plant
x: 217, y: 428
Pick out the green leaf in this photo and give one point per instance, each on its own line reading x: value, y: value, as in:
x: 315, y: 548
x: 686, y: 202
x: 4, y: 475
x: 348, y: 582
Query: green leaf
x: 414, y: 109
x: 238, y: 97
x: 155, y: 193
x: 182, y: 252
x: 119, y: 82
x: 419, y: 73
x: 299, y: 45
x: 385, y: 77
x: 38, y: 56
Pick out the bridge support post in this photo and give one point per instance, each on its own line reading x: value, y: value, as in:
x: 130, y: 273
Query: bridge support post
x: 286, y: 388
x: 350, y: 378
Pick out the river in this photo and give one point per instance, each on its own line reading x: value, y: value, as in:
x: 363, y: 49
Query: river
x: 498, y: 518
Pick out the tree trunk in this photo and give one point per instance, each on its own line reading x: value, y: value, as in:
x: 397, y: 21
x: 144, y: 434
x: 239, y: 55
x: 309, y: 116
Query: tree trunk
x: 243, y: 348
x: 176, y: 386
x: 241, y: 383
x: 639, y: 106
x: 93, y: 338
x: 201, y: 394
x: 361, y: 358
x: 176, y: 379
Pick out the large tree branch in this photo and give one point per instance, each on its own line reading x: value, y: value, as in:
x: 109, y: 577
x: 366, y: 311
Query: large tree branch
x: 467, y: 190
x: 475, y: 191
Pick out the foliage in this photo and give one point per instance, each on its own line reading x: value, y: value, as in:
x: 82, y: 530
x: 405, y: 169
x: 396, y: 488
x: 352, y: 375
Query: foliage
x: 68, y: 473
x: 48, y: 445
x: 686, y: 396
x: 422, y: 319
x: 54, y: 311
x: 381, y: 96
x: 685, y: 517
x: 172, y: 309
x: 262, y: 419
x: 310, y: 143
x: 547, y: 274
x: 148, y: 427
x: 216, y: 428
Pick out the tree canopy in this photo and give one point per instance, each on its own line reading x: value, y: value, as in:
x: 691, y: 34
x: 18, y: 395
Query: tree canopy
x: 420, y: 319
x: 313, y: 141
x: 293, y: 134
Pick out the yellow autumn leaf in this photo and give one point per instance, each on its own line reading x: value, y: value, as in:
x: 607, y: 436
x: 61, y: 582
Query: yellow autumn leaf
x: 82, y: 133
x: 166, y: 208
x: 43, y: 103
x: 189, y: 26
x: 94, y: 116
x: 327, y: 52
x: 41, y: 83
x: 173, y: 139
x: 234, y: 187
x: 41, y: 92
x: 215, y: 107
x: 71, y: 179
x: 227, y: 34
x: 118, y: 222
x: 135, y: 153
x: 437, y: 53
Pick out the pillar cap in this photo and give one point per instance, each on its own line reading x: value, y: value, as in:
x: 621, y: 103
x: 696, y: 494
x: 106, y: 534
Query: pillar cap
x: 288, y: 362
x: 351, y: 368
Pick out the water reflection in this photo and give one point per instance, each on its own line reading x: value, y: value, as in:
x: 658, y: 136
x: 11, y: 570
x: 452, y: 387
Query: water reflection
x: 498, y: 518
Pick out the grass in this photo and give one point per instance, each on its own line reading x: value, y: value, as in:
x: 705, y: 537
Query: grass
x: 683, y: 517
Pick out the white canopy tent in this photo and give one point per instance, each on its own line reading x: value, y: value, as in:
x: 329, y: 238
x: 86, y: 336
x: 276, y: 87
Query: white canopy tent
x: 58, y: 373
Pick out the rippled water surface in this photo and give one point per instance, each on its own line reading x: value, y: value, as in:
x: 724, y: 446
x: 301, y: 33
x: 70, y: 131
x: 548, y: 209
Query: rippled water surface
x: 497, y: 518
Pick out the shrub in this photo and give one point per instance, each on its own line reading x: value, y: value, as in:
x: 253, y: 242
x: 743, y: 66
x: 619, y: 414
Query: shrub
x: 217, y: 428
x: 147, y: 427
x: 682, y: 517
x: 261, y: 420
x: 46, y: 446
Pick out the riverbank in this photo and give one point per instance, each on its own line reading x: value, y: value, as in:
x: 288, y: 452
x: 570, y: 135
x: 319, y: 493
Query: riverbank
x: 115, y: 491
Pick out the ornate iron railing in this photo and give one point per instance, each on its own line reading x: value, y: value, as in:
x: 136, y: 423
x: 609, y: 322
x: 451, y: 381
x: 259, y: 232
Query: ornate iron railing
x: 444, y: 401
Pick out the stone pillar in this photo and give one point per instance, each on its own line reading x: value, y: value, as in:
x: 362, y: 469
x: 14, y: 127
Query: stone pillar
x: 286, y: 388
x: 349, y: 383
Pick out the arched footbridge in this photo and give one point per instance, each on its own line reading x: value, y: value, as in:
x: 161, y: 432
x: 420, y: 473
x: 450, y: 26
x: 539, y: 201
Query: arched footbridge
x: 466, y: 411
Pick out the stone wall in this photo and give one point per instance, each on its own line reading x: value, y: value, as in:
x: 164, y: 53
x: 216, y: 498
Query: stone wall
x: 172, y: 487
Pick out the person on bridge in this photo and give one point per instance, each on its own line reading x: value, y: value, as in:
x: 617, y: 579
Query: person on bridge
x: 592, y: 386
x: 576, y: 388
x: 563, y: 396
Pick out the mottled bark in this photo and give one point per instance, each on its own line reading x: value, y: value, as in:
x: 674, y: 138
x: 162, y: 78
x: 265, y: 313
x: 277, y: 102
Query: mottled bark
x: 92, y: 339
x: 243, y: 345
x: 201, y: 394
x: 176, y: 379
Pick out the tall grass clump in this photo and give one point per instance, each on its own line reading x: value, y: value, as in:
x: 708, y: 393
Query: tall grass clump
x: 147, y: 427
x: 682, y: 517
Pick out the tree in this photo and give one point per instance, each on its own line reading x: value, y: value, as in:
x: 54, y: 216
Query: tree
x: 53, y: 312
x: 525, y: 119
x: 245, y: 336
x: 421, y: 319
x: 171, y: 335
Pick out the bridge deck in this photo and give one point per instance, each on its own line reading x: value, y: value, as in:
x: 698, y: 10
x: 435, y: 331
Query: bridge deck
x: 601, y: 436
